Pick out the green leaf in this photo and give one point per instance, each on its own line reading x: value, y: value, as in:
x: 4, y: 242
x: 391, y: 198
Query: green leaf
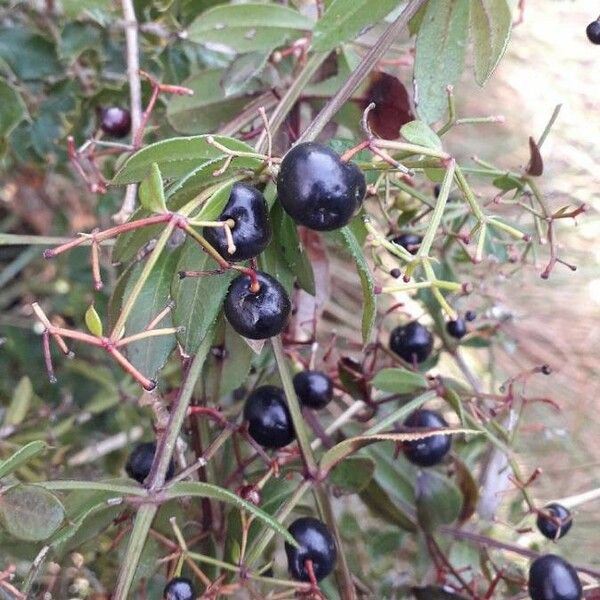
x: 351, y: 445
x: 129, y: 243
x: 507, y: 183
x: 418, y: 132
x: 209, y: 108
x: 93, y: 322
x: 76, y: 38
x: 200, y: 489
x: 30, y: 56
x: 179, y: 156
x: 399, y: 381
x: 382, y: 506
x: 248, y: 27
x: 345, y: 20
x: 20, y: 403
x: 353, y: 474
x: 294, y: 253
x: 438, y: 500
x: 198, y: 300
x: 152, y: 195
x: 350, y: 242
x: 491, y: 23
x: 22, y: 456
x: 150, y: 355
x: 12, y: 108
x: 239, y: 74
x: 117, y: 488
x: 74, y: 8
x: 229, y: 370
x: 29, y: 512
x: 440, y: 55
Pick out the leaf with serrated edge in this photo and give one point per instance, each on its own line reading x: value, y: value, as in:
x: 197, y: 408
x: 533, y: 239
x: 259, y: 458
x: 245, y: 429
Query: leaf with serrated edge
x: 340, y: 451
x: 176, y: 157
x: 366, y: 281
x: 208, y: 490
x: 491, y: 23
x: 440, y: 55
x: 22, y: 456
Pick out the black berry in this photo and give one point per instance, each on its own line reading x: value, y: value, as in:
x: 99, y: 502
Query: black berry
x: 252, y: 230
x: 554, y: 521
x: 428, y: 451
x: 457, y: 329
x: 314, y: 388
x: 317, y: 189
x: 257, y: 315
x: 179, y: 588
x: 115, y: 121
x: 409, y: 241
x: 470, y: 315
x: 412, y: 342
x: 553, y: 578
x: 140, y: 460
x: 268, y: 417
x: 316, y: 544
x: 437, y: 188
x: 395, y: 273
x: 593, y: 32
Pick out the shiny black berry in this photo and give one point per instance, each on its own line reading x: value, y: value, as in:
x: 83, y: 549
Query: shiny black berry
x: 412, y: 342
x: 252, y: 230
x: 470, y: 315
x: 457, y: 329
x: 115, y: 121
x: 409, y: 241
x: 316, y: 544
x: 317, y: 189
x: 593, y: 32
x: 257, y: 315
x: 428, y: 451
x: 554, y: 521
x: 268, y: 417
x: 314, y: 388
x: 179, y: 588
x: 553, y: 578
x: 140, y: 460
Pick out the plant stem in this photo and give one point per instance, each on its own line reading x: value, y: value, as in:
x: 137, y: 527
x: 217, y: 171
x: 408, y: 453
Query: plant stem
x: 365, y: 66
x: 135, y: 96
x: 342, y: 572
x: 290, y: 98
x: 294, y: 406
x: 156, y: 479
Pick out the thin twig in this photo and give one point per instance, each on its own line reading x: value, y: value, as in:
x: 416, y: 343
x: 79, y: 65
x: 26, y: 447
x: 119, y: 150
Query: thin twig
x: 135, y: 97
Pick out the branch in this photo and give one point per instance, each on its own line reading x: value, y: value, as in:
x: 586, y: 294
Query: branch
x: 156, y: 479
x: 362, y: 70
x: 135, y: 97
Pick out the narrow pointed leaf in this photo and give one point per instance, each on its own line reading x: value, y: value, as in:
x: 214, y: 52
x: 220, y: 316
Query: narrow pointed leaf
x: 491, y: 23
x: 21, y: 457
x: 200, y: 489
